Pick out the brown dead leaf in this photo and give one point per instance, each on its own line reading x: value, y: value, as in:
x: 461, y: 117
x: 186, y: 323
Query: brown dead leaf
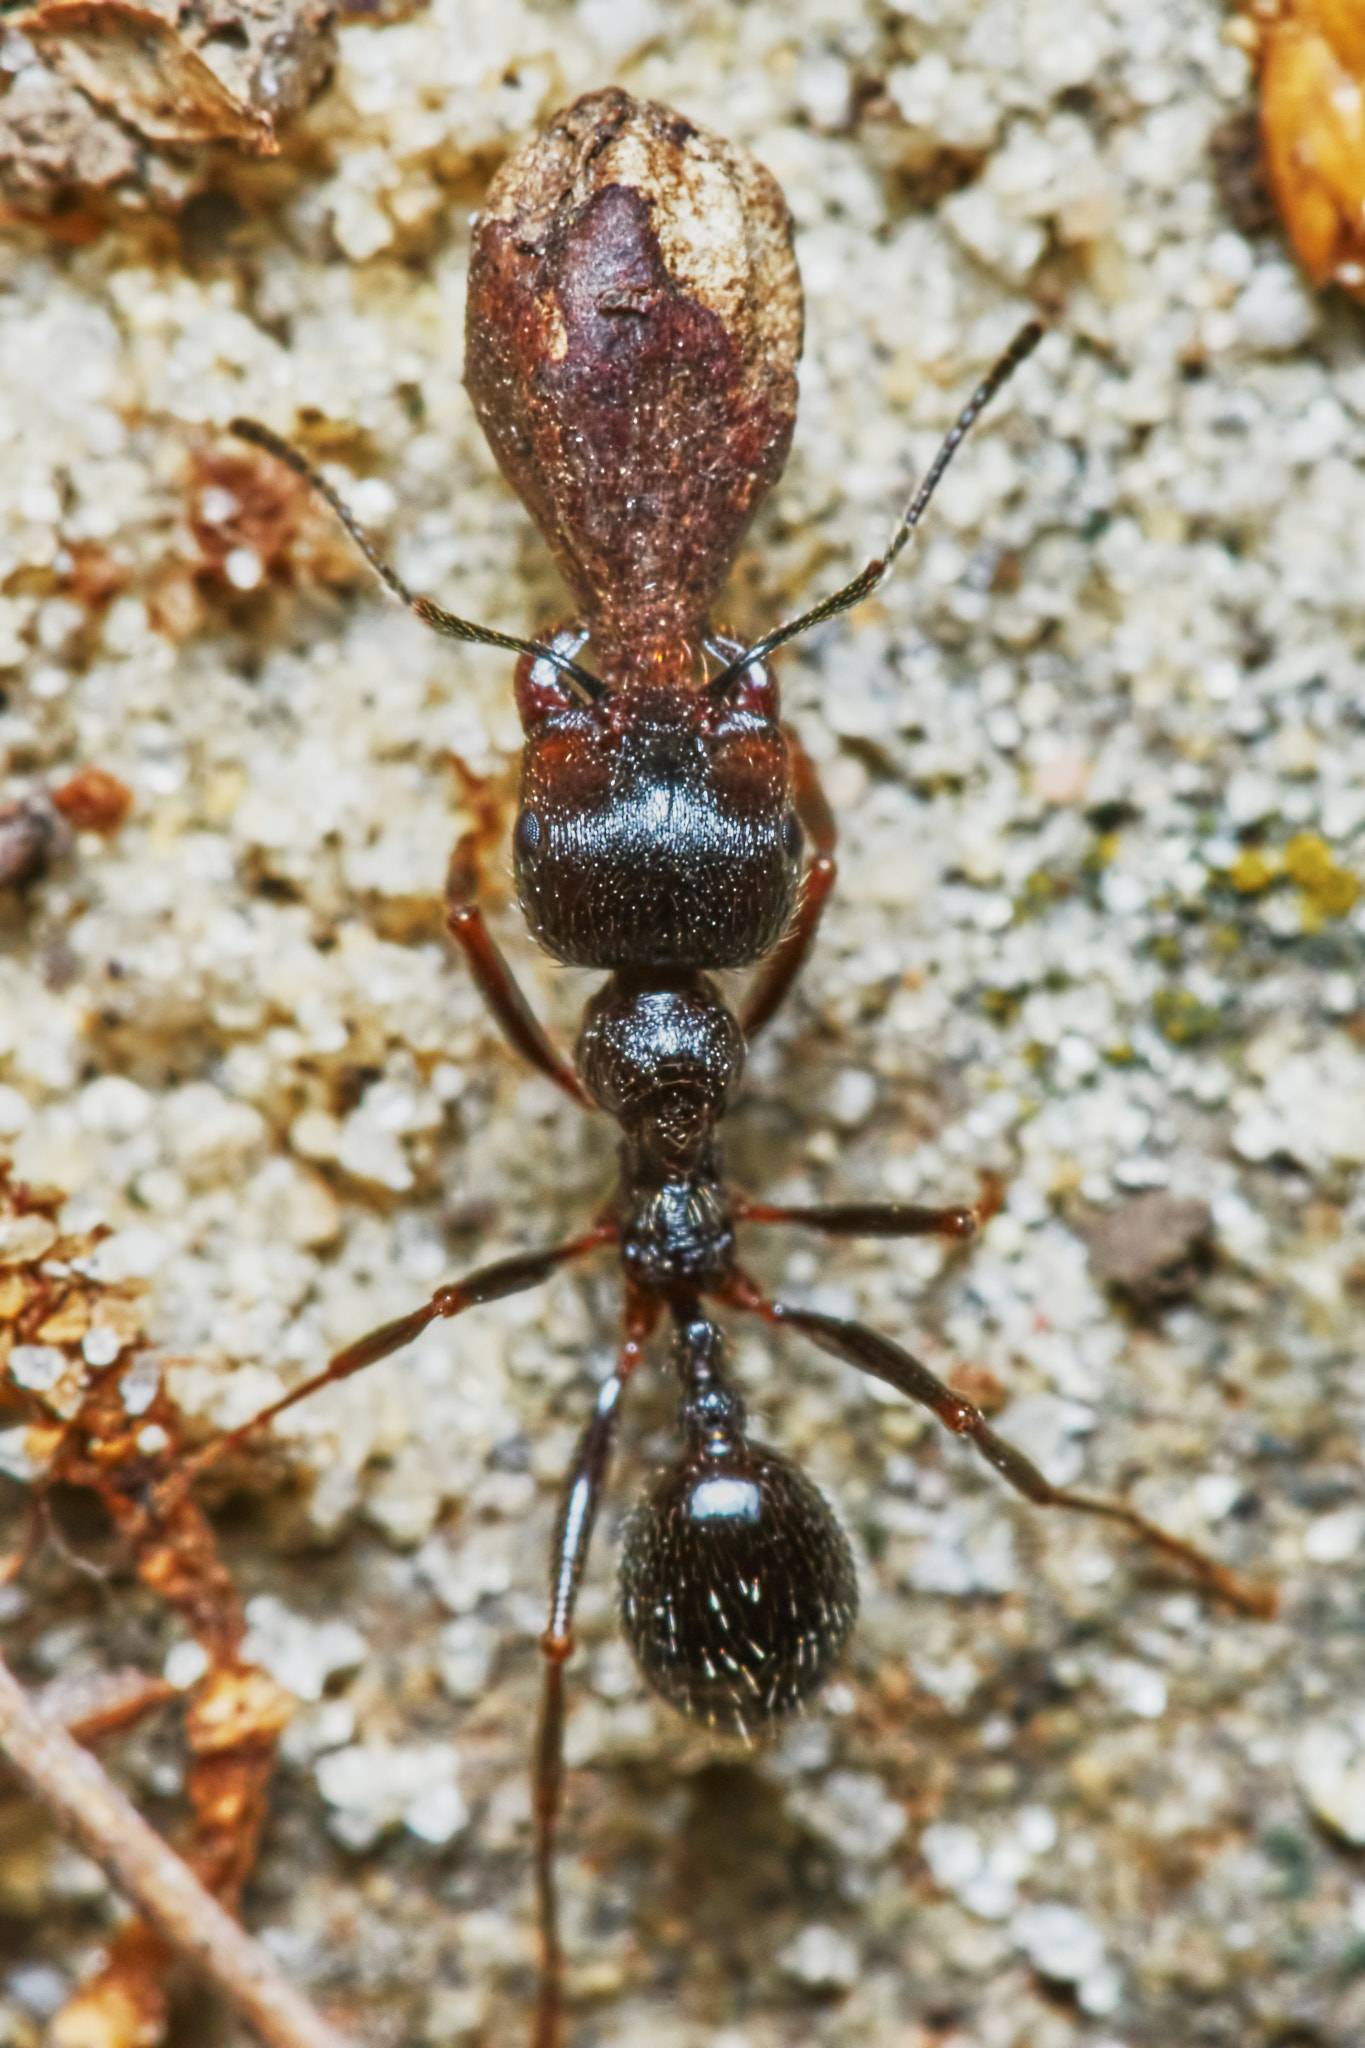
x: 1311, y: 55
x: 209, y: 71
x: 133, y: 63
x: 68, y: 1323
x: 235, y: 1707
x: 53, y: 141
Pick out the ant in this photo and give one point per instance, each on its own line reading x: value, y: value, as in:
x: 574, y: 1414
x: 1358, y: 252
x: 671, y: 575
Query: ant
x: 633, y: 328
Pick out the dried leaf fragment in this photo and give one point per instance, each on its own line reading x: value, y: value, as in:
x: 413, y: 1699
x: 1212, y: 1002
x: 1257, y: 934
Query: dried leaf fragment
x: 236, y: 1707
x: 109, y: 78
x: 255, y: 524
x: 52, y: 141
x: 1311, y: 55
x: 209, y: 71
x: 134, y: 63
x: 100, y: 1421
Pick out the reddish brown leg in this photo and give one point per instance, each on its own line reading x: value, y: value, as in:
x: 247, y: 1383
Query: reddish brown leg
x: 579, y: 1503
x: 770, y: 988
x: 866, y: 1219
x: 513, y: 1014
x: 883, y: 1219
x: 489, y: 1283
x: 465, y: 869
x: 877, y: 1355
x: 492, y: 976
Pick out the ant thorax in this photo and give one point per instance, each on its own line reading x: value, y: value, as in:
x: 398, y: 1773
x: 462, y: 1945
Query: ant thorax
x: 664, y: 1057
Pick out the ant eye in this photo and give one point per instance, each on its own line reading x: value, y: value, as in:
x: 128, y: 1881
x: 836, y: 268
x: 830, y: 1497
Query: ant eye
x: 791, y: 836
x: 527, y: 835
x: 737, y: 1586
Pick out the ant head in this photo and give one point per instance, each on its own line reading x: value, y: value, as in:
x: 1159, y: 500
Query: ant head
x: 656, y: 826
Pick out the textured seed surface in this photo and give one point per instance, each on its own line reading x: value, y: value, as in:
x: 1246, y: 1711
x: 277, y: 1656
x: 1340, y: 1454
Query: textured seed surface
x: 635, y: 319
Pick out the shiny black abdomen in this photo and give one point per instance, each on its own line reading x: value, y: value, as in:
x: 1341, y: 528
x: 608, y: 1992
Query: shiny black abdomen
x: 738, y: 1590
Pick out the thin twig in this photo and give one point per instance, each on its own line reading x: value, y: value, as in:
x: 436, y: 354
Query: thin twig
x: 90, y: 1806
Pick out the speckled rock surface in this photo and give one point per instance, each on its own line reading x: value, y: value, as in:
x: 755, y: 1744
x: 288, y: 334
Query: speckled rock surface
x: 1098, y: 755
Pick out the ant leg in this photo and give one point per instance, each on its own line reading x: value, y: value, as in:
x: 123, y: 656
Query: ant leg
x: 875, y: 1219
x: 511, y: 1012
x: 492, y: 976
x: 884, y: 1360
x: 579, y: 1503
x: 883, y: 1219
x: 488, y: 1283
x: 770, y: 990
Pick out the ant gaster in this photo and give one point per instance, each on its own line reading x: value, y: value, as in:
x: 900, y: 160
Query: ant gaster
x: 634, y: 321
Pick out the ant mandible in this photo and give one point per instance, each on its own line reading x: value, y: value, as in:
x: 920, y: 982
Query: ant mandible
x: 634, y: 322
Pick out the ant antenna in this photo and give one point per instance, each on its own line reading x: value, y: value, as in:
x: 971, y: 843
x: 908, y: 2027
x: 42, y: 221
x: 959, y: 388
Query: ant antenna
x: 430, y: 614
x: 1023, y: 345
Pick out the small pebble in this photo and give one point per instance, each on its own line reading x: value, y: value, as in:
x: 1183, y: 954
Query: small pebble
x: 821, y: 1959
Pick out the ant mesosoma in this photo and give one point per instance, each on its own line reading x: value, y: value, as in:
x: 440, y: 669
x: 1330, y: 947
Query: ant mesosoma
x: 634, y: 322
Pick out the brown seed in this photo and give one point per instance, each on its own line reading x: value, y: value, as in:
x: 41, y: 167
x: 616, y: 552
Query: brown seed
x: 634, y: 326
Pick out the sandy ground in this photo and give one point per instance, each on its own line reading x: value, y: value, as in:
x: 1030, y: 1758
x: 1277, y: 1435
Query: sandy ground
x: 1098, y: 756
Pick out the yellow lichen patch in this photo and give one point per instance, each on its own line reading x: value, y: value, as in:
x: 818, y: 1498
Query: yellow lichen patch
x: 1327, y: 890
x: 1253, y: 871
x: 1182, y: 1018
